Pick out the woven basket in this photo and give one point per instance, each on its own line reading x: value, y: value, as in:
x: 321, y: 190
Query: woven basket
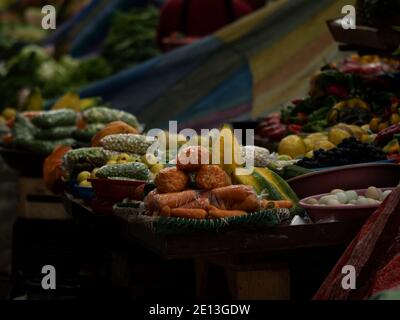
x: 169, y: 225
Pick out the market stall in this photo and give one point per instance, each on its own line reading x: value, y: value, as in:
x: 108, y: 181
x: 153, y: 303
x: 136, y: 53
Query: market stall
x: 262, y: 215
x: 268, y: 261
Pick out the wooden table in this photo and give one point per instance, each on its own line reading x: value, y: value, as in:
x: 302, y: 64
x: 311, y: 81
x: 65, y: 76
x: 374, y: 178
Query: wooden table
x: 257, y: 265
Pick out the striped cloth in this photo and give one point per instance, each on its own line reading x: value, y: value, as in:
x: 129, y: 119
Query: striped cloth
x: 246, y: 70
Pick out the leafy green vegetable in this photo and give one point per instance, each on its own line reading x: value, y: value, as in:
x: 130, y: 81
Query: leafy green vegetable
x: 132, y: 38
x: 316, y: 126
x: 33, y: 68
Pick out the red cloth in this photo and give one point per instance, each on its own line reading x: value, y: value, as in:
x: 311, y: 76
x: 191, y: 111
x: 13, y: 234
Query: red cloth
x: 204, y: 17
x: 374, y: 253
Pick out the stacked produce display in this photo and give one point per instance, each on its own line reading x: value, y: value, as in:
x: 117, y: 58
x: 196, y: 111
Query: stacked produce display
x: 351, y: 116
x: 351, y: 105
x: 29, y: 69
x: 40, y: 132
x: 34, y: 72
x: 118, y: 172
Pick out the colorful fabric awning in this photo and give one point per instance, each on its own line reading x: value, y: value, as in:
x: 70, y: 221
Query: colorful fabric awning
x: 245, y: 70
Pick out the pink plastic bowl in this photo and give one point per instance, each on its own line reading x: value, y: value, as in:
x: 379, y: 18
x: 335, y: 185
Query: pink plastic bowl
x: 351, y: 177
x: 319, y: 213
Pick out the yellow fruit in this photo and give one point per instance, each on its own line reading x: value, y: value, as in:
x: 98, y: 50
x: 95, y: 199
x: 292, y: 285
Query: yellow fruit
x: 337, y: 135
x: 82, y: 176
x: 344, y: 127
x: 366, y: 138
x: 9, y: 113
x: 394, y: 118
x: 176, y: 140
x: 356, y: 131
x: 85, y: 184
x: 325, y: 145
x: 88, y: 102
x: 293, y: 146
x: 2, y: 120
x: 69, y: 100
x: 382, y: 126
x: 135, y: 159
x: 149, y: 159
x: 228, y: 149
x: 309, y: 144
x: 317, y: 136
x: 34, y: 101
x: 156, y: 168
x: 374, y: 124
x: 111, y: 162
x: 284, y: 157
x: 201, y: 141
x: 93, y: 174
x: 309, y: 154
x: 114, y: 157
x: 124, y: 157
x: 365, y: 128
x: 357, y: 103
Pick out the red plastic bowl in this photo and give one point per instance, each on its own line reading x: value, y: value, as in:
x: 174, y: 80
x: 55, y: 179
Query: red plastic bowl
x: 115, y: 190
x: 320, y: 213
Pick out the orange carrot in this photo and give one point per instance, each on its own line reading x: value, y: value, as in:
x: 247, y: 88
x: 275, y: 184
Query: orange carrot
x: 232, y: 193
x: 165, y: 211
x: 249, y: 205
x: 218, y: 213
x: 283, y: 204
x: 200, y: 203
x: 150, y: 201
x: 175, y: 199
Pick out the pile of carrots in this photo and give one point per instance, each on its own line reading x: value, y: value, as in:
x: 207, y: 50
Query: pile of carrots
x: 224, y: 202
x: 215, y: 196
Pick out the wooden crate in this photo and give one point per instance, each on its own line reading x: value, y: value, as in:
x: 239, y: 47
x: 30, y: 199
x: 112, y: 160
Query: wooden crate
x: 36, y: 202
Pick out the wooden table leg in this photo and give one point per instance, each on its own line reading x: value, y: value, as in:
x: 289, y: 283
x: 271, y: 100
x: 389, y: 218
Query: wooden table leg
x: 201, y: 270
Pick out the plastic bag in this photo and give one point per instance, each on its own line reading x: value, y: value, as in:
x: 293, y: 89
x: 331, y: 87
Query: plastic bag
x: 230, y: 201
x: 55, y: 118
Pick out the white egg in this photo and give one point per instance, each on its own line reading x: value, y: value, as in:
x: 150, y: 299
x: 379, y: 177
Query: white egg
x: 353, y: 202
x: 325, y: 199
x: 333, y: 202
x: 351, y: 195
x: 373, y: 201
x: 373, y: 193
x: 385, y: 194
x: 362, y: 201
x: 312, y: 201
x: 341, y: 196
x: 334, y: 191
